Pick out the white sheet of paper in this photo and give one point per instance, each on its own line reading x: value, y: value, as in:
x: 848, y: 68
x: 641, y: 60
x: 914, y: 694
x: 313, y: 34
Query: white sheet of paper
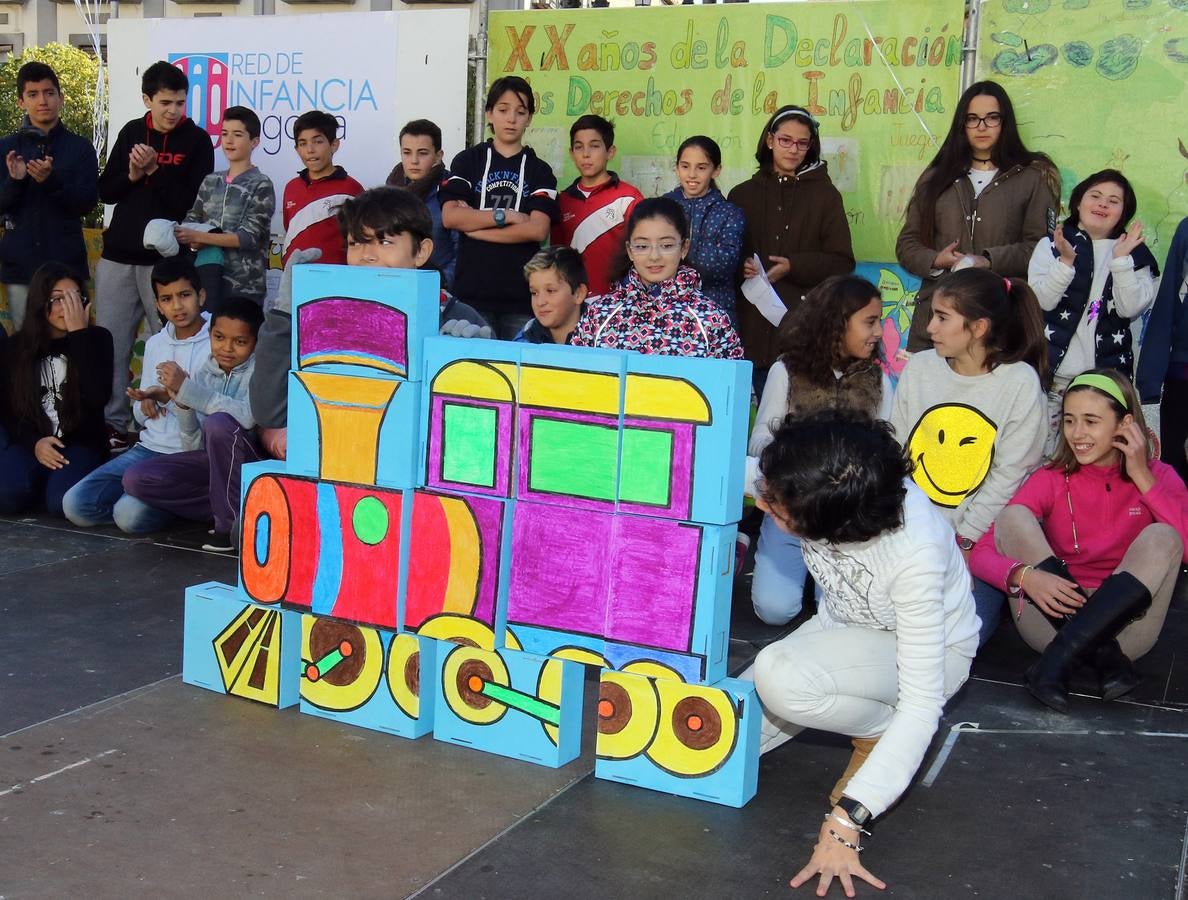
x: 762, y: 295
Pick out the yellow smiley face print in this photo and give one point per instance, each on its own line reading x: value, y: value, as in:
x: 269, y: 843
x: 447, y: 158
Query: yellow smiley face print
x: 952, y: 447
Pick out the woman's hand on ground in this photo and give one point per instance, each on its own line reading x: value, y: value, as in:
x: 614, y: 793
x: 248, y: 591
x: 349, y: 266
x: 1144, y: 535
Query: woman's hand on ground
x: 46, y: 451
x: 1055, y: 596
x: 832, y: 859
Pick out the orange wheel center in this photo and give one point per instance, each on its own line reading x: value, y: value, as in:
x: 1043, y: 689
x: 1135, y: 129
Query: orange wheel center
x: 606, y: 709
x: 475, y: 684
x: 695, y: 723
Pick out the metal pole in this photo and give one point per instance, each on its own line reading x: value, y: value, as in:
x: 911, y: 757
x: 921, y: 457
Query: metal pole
x: 478, y: 56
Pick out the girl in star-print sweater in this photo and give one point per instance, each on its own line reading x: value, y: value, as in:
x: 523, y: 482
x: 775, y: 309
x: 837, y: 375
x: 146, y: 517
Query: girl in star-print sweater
x: 656, y: 305
x: 1092, y: 277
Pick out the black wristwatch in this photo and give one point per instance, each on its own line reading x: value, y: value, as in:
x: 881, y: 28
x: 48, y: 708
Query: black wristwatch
x: 858, y: 813
x: 500, y: 215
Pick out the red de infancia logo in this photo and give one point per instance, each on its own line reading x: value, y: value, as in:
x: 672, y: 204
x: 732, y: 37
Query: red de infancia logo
x: 275, y: 83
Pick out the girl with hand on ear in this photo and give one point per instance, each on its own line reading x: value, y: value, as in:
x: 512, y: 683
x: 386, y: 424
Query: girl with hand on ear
x: 1091, y: 546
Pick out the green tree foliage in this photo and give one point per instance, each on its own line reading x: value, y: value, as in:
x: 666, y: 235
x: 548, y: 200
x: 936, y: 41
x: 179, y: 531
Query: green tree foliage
x: 77, y: 72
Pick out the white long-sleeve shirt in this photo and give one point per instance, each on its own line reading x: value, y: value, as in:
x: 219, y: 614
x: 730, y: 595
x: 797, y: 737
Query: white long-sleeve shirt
x: 1134, y: 293
x: 912, y: 581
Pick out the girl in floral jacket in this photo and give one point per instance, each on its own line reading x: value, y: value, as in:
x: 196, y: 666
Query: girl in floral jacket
x: 656, y: 305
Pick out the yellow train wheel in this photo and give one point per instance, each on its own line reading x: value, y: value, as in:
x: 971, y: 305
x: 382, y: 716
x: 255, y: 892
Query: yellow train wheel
x: 697, y: 731
x: 343, y: 663
x: 465, y: 671
x: 628, y: 713
x: 458, y: 630
x: 404, y: 674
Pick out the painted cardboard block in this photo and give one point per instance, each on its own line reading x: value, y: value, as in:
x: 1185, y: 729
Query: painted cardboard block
x: 559, y: 581
x: 356, y: 320
x: 669, y: 595
x: 509, y: 703
x: 622, y: 588
x: 468, y: 435
x: 459, y: 548
x: 367, y: 677
x: 233, y: 647
x: 326, y: 548
x: 569, y: 426
x: 685, y: 424
x: 352, y: 429
x: 699, y: 741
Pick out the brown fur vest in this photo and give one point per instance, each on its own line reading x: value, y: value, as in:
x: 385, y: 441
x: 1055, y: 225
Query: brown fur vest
x: 859, y: 388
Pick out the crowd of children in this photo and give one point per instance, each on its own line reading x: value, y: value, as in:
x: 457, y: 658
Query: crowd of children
x: 921, y: 510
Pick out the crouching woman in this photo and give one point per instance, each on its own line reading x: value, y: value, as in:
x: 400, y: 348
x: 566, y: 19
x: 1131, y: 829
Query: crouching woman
x: 895, y: 630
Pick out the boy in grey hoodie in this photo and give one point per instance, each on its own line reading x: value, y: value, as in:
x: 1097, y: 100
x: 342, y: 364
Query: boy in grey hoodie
x: 216, y: 425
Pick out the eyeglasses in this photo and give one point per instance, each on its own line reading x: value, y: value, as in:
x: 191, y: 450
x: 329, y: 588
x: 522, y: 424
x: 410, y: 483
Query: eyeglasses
x: 664, y: 248
x: 790, y: 143
x: 990, y: 120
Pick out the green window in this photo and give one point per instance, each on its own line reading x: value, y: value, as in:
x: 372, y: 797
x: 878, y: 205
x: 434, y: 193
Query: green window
x: 647, y: 467
x: 469, y: 444
x: 575, y: 458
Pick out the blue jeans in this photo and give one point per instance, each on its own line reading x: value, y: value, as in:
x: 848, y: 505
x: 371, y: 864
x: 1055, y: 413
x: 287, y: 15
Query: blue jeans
x: 988, y: 601
x: 99, y: 499
x: 24, y: 481
x: 777, y: 588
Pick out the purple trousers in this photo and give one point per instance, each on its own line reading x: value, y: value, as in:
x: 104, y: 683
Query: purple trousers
x: 199, y: 484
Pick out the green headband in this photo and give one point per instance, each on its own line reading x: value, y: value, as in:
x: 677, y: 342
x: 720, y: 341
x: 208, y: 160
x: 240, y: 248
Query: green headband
x: 1103, y: 383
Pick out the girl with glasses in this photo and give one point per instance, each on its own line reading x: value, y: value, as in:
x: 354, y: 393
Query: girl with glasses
x: 984, y: 200
x: 795, y: 222
x: 656, y: 305
x: 1091, y: 545
x: 56, y: 372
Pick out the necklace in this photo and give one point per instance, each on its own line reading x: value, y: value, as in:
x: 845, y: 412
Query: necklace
x: 1072, y: 518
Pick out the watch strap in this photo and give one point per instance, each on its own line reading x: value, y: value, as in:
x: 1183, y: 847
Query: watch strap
x: 858, y: 813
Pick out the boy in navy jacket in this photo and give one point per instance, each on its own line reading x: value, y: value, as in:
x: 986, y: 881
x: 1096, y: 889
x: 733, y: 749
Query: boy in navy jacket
x: 48, y: 183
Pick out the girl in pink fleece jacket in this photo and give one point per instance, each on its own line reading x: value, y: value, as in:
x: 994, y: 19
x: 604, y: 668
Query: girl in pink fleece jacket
x: 1091, y: 543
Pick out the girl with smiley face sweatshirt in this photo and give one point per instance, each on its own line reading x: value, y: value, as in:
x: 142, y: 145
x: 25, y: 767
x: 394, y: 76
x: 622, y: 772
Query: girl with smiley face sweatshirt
x: 971, y: 411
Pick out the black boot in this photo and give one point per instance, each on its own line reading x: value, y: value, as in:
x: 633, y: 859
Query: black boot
x: 1120, y: 600
x: 1115, y: 672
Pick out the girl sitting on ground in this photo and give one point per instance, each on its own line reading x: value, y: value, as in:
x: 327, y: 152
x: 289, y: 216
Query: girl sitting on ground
x: 57, y: 373
x: 829, y: 359
x: 971, y: 410
x: 1096, y: 594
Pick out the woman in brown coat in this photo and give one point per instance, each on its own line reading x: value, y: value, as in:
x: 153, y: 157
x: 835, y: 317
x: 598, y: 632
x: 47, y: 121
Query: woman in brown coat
x: 984, y: 200
x: 795, y: 222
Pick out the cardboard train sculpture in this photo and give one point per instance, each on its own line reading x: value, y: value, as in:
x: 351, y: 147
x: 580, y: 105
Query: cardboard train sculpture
x: 462, y: 525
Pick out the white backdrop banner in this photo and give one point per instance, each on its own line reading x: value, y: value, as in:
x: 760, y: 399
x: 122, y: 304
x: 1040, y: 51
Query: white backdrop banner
x: 372, y: 71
